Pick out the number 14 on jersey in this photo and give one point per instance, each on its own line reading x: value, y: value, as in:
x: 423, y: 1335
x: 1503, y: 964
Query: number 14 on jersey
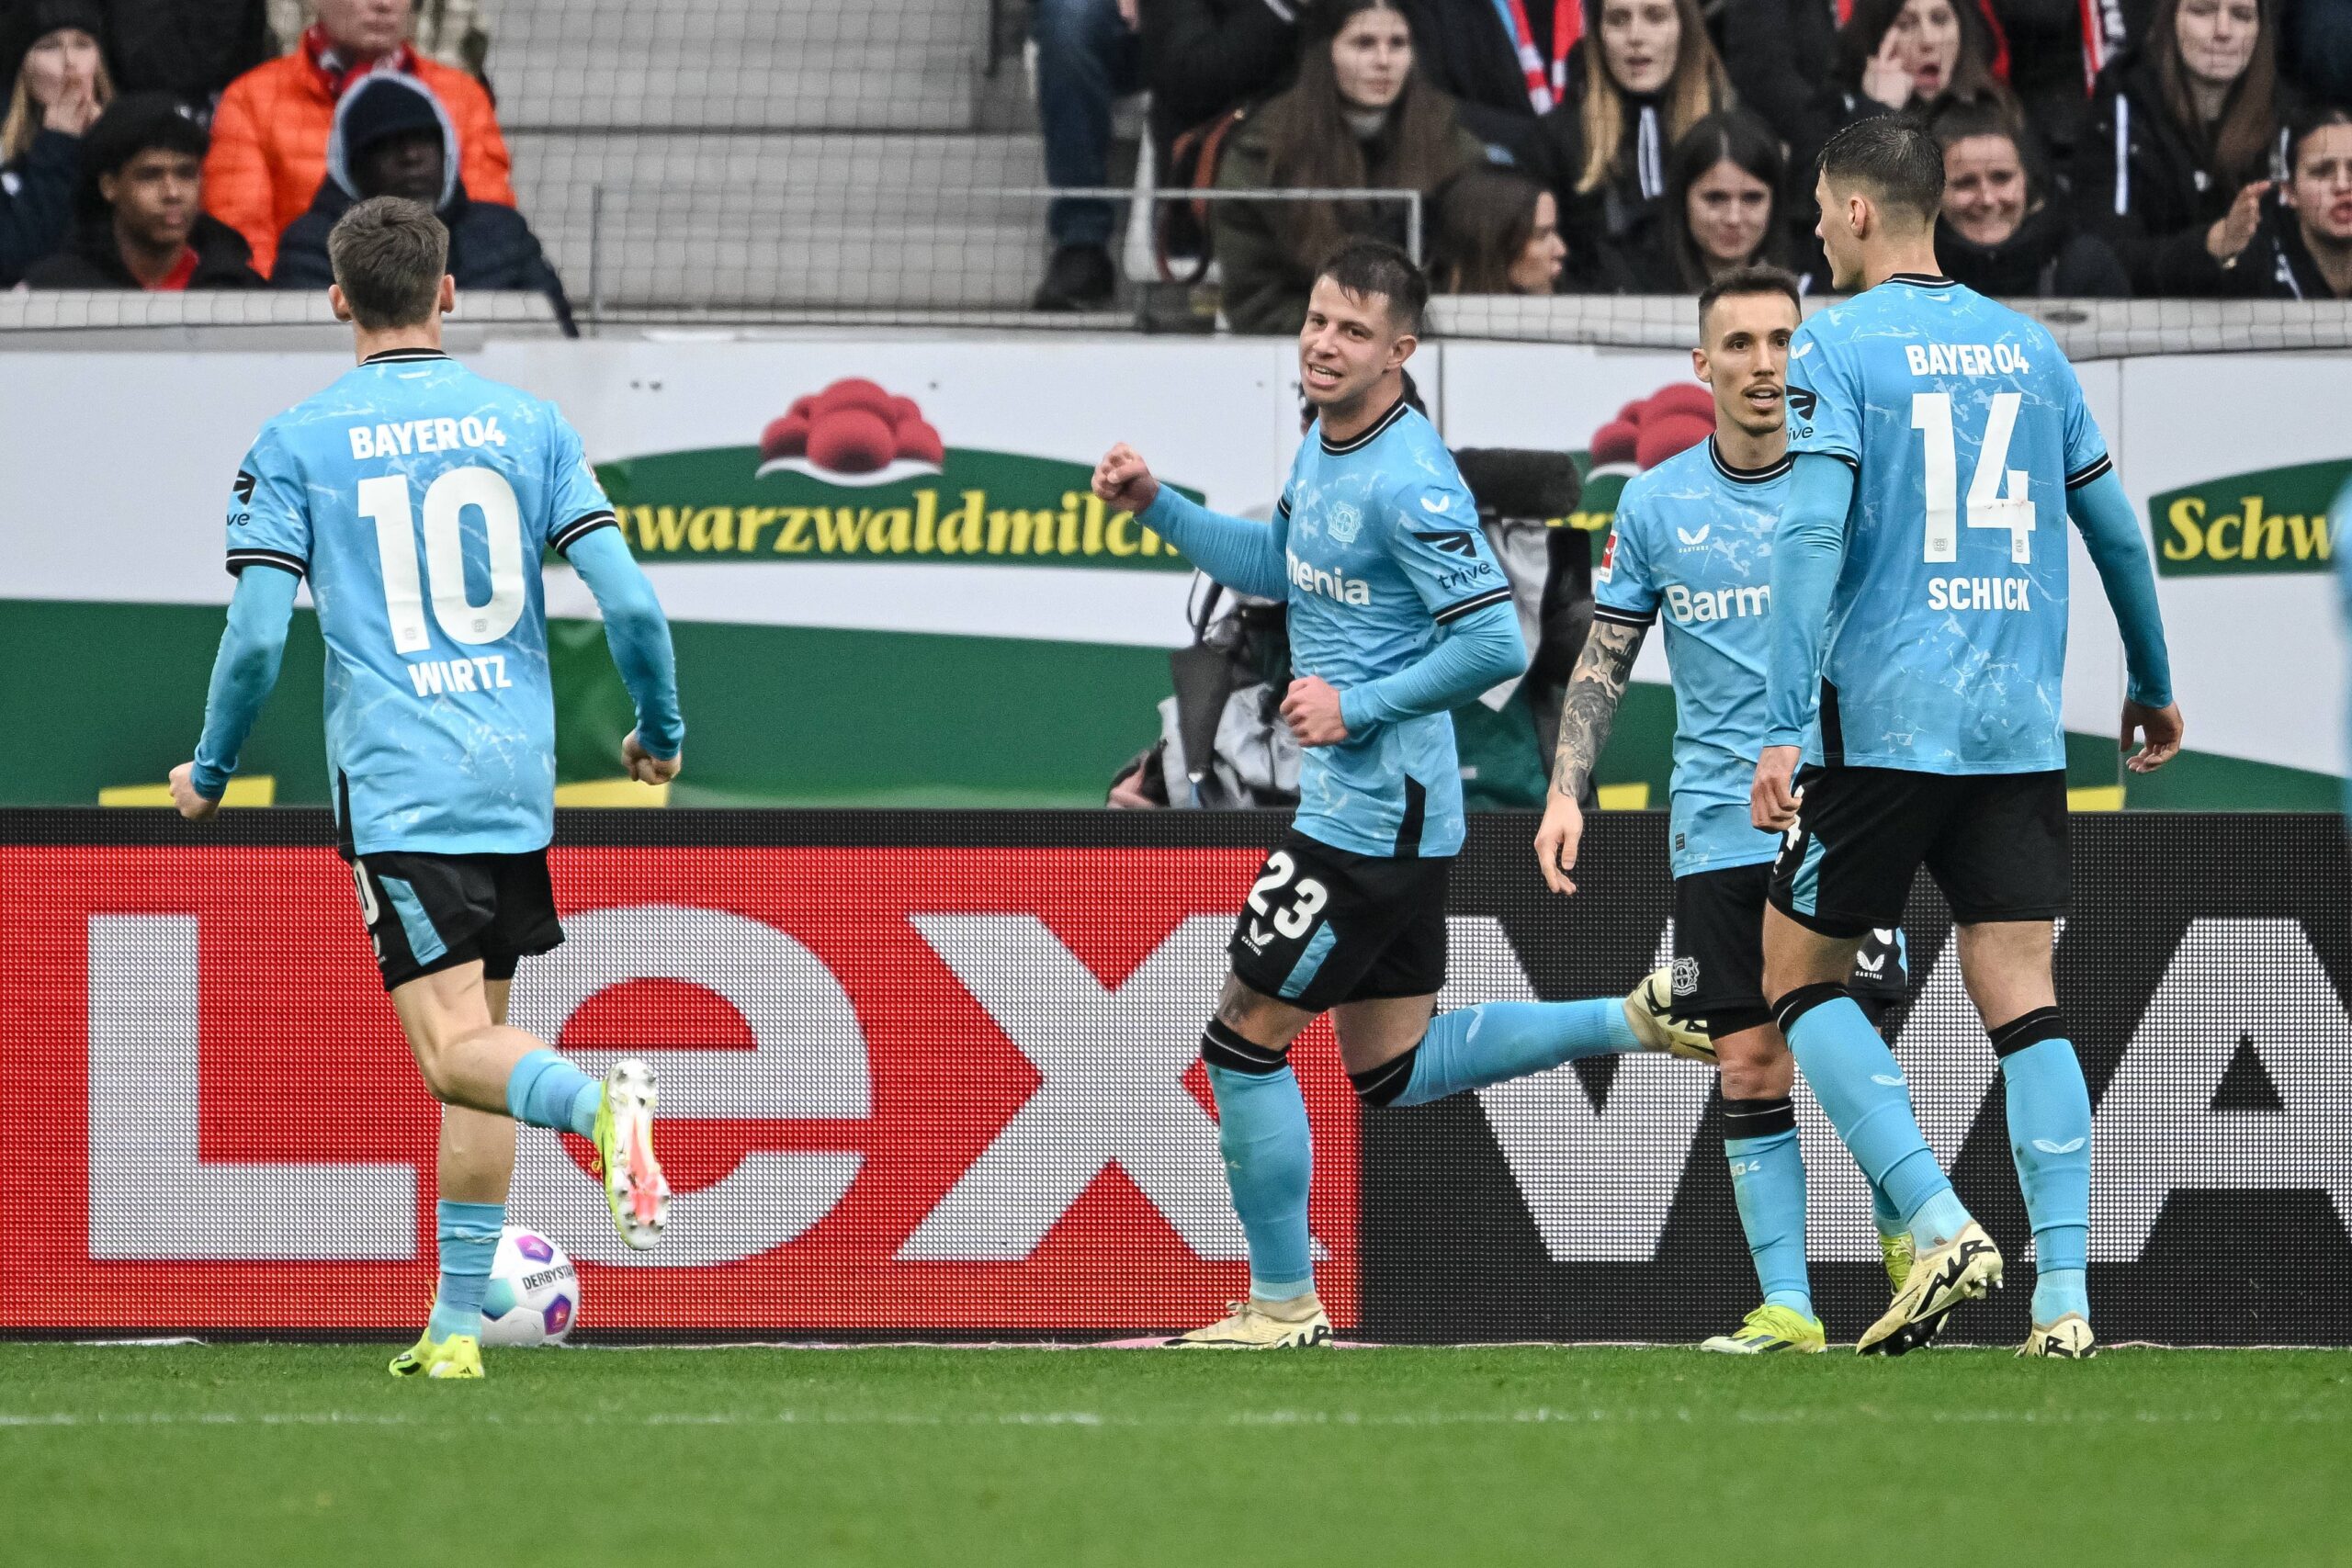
x: 1998, y: 495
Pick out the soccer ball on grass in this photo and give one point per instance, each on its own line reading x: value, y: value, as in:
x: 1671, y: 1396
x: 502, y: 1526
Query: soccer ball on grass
x: 533, y: 1296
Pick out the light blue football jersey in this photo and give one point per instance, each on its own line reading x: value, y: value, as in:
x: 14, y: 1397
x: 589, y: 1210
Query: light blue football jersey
x: 1966, y: 428
x: 1691, y: 545
x: 419, y: 498
x: 1383, y: 548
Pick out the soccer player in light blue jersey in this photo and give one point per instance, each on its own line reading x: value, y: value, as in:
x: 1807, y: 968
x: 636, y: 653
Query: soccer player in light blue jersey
x: 1920, y: 601
x: 1692, y: 546
x: 1397, y: 614
x: 419, y: 498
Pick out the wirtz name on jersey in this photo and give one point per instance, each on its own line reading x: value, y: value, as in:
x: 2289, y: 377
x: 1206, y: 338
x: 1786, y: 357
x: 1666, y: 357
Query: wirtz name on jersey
x: 432, y: 677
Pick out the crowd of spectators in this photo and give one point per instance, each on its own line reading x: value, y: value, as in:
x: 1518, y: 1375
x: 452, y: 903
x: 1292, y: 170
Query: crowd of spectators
x: 2153, y: 148
x: 191, y: 144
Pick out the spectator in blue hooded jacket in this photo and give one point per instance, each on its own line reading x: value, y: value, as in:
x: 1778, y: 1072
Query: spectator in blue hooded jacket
x: 392, y: 137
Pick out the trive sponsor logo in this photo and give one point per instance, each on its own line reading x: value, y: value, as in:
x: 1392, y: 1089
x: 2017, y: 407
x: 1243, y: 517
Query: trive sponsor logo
x: 1964, y: 359
x: 1979, y: 593
x: 408, y: 437
x: 438, y: 677
x: 1699, y: 604
x: 1330, y: 584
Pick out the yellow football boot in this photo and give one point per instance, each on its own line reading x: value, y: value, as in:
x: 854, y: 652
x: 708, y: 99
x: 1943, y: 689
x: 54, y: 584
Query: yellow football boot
x: 1771, y: 1329
x: 635, y: 1188
x: 460, y: 1356
x: 1899, y: 1251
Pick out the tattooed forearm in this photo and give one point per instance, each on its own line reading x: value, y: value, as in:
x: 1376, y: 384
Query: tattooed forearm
x: 1594, y: 691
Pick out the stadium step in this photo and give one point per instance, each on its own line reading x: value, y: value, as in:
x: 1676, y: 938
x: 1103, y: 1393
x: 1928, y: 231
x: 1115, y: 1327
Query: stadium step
x: 758, y: 221
x: 739, y: 65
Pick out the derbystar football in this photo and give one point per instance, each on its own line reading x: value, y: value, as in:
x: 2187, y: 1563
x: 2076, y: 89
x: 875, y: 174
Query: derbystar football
x: 534, y: 1294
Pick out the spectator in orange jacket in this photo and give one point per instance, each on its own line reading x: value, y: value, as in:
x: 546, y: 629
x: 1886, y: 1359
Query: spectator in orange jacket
x: 269, y: 135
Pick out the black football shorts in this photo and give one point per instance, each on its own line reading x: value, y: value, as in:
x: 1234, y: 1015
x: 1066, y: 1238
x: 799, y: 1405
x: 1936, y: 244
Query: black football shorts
x: 1324, y: 926
x: 1719, y: 952
x: 428, y: 912
x: 1996, y: 843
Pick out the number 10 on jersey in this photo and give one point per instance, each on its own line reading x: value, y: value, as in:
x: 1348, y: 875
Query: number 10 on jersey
x: 1998, y: 494
x: 385, y: 502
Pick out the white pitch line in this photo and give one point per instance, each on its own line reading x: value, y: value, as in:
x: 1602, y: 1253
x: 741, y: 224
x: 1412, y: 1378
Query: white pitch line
x: 1538, y: 1415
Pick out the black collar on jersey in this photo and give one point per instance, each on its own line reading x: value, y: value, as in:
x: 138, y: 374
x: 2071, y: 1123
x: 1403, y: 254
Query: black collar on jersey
x: 1395, y: 411
x: 404, y: 356
x: 1749, y: 476
x: 1923, y: 280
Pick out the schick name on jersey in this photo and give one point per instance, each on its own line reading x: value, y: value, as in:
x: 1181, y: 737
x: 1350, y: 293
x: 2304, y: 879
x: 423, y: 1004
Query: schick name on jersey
x: 1964, y: 359
x: 1686, y: 605
x: 1330, y: 584
x: 1978, y: 594
x: 414, y: 435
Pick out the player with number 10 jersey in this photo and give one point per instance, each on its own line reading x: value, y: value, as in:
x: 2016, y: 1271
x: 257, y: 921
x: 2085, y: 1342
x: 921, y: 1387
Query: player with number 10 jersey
x: 419, y: 500
x: 440, y: 718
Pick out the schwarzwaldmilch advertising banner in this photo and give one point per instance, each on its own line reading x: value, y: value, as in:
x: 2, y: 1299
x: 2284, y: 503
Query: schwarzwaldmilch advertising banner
x: 937, y: 1073
x: 888, y: 585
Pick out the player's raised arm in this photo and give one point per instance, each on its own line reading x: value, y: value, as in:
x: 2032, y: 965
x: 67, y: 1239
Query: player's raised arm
x: 1244, y: 556
x: 2097, y: 502
x: 1439, y: 549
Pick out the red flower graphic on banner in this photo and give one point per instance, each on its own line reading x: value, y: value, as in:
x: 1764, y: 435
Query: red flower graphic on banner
x: 1648, y: 431
x: 853, y: 432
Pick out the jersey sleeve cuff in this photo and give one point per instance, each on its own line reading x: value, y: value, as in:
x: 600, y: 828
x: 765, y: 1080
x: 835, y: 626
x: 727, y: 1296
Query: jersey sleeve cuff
x: 2100, y: 468
x: 1619, y: 616
x: 578, y: 528
x: 1781, y: 736
x: 1476, y: 602
x: 284, y: 560
x: 209, y: 781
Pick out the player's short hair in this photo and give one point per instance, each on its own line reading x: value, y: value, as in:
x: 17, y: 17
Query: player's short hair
x: 1895, y: 159
x: 390, y: 254
x: 1365, y: 267
x: 1751, y: 280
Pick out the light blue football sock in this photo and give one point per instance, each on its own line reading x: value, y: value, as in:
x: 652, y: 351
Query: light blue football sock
x: 467, y: 1235
x: 1861, y: 1086
x: 545, y: 1091
x: 1768, y: 1182
x: 1883, y: 1212
x: 2049, y: 1139
x: 1268, y: 1163
x: 1494, y: 1043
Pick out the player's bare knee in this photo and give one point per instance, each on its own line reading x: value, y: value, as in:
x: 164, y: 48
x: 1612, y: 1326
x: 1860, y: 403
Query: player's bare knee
x: 1754, y: 1062
x: 1251, y: 1034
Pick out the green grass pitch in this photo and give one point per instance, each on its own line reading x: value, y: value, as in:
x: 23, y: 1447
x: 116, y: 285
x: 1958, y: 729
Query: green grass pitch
x: 276, y: 1455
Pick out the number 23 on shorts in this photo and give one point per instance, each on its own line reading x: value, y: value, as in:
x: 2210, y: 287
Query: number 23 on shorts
x: 1291, y: 916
